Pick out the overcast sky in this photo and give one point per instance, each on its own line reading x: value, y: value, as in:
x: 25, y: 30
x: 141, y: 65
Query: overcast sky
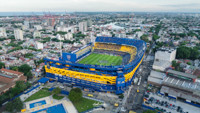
x: 100, y: 5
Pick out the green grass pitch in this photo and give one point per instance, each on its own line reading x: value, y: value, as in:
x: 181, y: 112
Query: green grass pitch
x: 101, y: 59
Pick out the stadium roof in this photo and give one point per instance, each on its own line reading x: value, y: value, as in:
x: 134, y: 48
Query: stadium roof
x: 43, y: 80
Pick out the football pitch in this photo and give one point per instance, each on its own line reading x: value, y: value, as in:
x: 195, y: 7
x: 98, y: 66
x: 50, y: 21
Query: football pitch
x: 101, y: 59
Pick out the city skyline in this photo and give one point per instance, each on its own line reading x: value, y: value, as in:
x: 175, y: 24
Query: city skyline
x: 100, y: 6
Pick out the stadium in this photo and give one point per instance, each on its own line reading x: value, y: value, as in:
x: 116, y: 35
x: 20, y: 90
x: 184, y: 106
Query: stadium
x: 108, y: 65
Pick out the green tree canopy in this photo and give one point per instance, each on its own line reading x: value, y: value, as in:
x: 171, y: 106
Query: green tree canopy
x: 15, y: 68
x: 57, y: 90
x: 28, y: 55
x: 149, y: 111
x: 155, y: 37
x: 187, y: 53
x: 174, y: 63
x: 26, y: 69
x: 2, y: 65
x: 145, y: 38
x: 61, y: 33
x: 14, y: 106
x: 75, y: 94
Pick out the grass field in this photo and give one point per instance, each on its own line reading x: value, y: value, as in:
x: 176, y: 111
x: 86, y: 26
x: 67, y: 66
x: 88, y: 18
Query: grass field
x: 57, y: 97
x: 101, y: 59
x: 40, y: 94
x: 85, y: 104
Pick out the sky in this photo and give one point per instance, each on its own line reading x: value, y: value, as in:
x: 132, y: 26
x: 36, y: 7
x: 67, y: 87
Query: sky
x: 100, y: 5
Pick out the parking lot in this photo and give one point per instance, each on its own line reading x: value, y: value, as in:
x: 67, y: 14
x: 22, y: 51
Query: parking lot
x: 169, y: 105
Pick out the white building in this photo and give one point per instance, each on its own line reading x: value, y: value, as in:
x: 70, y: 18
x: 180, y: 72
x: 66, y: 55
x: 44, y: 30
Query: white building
x: 66, y: 29
x: 37, y: 27
x: 58, y: 36
x: 69, y: 36
x: 166, y: 54
x: 89, y: 23
x: 18, y: 34
x: 3, y: 32
x: 163, y: 58
x: 121, y: 35
x: 26, y: 24
x: 139, y: 34
x: 92, y: 39
x: 82, y: 26
x: 62, y: 28
x: 36, y: 34
x: 38, y: 45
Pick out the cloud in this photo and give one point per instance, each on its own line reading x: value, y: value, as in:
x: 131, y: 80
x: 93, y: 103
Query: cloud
x: 98, y: 5
x: 183, y: 5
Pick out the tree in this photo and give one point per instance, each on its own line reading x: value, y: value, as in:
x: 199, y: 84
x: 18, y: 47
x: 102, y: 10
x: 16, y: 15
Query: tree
x: 55, y: 40
x: 183, y: 52
x: 187, y: 53
x: 155, y: 37
x: 2, y: 65
x: 173, y: 63
x: 43, y: 70
x: 157, y: 29
x: 15, y: 68
x: 57, y: 90
x: 75, y: 94
x: 28, y: 55
x: 189, y: 63
x: 121, y: 96
x: 14, y: 106
x: 21, y: 85
x: 145, y: 38
x: 149, y: 111
x: 61, y: 33
x: 194, y: 54
x: 26, y: 69
x: 29, y: 75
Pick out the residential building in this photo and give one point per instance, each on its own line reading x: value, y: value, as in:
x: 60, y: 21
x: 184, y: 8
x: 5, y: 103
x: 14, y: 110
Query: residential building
x: 83, y: 26
x: 36, y: 34
x: 37, y: 27
x: 39, y: 45
x: 3, y: 32
x: 18, y: 34
x: 26, y: 24
x: 69, y: 36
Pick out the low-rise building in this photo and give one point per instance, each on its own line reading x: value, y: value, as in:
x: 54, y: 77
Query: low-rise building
x: 8, y: 79
x: 156, y: 78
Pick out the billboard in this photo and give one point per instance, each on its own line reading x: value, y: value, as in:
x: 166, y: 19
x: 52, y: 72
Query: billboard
x: 69, y: 57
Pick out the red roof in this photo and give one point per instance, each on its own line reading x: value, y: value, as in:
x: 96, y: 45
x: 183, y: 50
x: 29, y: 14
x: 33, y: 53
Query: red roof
x: 11, y: 71
x: 197, y: 72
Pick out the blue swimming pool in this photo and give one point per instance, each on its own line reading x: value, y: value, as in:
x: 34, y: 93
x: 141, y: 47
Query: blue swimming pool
x: 54, y: 109
x: 39, y: 103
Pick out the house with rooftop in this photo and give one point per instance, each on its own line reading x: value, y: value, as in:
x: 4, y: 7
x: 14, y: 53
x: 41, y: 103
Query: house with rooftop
x: 8, y: 79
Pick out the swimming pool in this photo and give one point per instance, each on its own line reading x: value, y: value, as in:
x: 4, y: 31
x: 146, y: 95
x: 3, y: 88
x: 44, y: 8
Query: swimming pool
x: 54, y: 109
x: 39, y: 103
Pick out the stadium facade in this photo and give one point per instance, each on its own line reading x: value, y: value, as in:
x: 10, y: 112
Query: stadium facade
x: 104, y: 78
